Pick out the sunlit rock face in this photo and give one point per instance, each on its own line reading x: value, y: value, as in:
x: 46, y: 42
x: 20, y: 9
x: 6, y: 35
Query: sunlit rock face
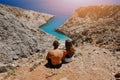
x: 98, y: 25
x: 20, y: 35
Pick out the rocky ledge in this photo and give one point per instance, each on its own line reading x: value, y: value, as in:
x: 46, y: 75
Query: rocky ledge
x: 97, y: 25
x: 20, y: 35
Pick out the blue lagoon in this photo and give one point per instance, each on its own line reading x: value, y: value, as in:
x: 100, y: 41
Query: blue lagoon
x: 52, y: 25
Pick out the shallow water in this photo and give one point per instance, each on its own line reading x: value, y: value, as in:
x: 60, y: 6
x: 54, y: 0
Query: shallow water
x: 52, y: 25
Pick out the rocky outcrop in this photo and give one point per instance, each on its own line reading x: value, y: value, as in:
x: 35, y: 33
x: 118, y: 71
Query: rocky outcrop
x: 20, y: 35
x: 98, y: 25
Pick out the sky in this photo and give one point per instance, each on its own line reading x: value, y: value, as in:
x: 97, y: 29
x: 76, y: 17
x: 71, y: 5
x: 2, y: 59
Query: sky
x: 56, y: 7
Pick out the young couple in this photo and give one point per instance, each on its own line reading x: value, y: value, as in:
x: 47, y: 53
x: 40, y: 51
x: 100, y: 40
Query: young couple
x: 56, y: 56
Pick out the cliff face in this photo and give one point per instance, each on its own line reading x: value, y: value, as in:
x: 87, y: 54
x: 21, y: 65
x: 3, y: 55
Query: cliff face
x: 20, y: 35
x: 98, y: 25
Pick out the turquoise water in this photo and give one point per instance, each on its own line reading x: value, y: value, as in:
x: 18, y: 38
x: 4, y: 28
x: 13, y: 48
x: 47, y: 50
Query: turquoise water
x: 52, y: 25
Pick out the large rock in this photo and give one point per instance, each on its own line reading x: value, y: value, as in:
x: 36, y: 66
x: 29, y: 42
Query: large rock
x: 20, y: 35
x: 98, y: 25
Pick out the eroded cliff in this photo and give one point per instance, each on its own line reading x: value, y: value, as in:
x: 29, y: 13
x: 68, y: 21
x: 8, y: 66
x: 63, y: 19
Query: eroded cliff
x: 98, y: 25
x: 20, y: 35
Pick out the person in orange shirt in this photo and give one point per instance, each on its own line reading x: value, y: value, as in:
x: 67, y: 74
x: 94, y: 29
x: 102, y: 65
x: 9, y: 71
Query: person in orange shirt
x: 55, y: 56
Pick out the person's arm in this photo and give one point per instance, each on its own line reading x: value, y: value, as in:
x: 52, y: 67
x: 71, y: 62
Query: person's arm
x: 47, y: 57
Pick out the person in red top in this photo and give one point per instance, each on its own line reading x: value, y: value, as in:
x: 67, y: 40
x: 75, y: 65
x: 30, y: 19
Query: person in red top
x: 55, y: 56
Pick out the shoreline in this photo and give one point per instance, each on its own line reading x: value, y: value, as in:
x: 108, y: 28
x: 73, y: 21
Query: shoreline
x: 50, y: 28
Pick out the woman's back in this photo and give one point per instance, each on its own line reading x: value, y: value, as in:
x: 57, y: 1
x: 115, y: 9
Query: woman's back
x: 69, y: 48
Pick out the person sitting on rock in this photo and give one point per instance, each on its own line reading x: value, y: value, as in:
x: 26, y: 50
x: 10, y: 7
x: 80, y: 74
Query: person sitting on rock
x: 70, y: 51
x: 55, y: 56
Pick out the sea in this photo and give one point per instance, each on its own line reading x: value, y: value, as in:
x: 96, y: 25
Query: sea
x: 52, y: 25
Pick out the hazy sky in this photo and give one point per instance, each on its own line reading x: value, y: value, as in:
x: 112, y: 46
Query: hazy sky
x: 63, y: 7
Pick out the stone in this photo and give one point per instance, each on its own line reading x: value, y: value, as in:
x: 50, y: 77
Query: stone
x: 99, y: 41
x: 3, y: 68
x: 15, y: 57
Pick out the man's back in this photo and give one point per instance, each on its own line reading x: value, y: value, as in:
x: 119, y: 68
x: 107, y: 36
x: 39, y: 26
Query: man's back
x: 56, y: 56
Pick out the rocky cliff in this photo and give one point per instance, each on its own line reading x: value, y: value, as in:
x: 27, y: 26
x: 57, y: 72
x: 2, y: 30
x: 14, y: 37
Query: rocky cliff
x: 98, y: 25
x: 20, y: 35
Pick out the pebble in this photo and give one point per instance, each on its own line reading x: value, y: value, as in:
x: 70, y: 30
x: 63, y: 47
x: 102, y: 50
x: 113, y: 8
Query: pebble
x: 15, y: 57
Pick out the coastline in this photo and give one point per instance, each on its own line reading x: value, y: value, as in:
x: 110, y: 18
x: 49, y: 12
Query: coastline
x: 51, y: 27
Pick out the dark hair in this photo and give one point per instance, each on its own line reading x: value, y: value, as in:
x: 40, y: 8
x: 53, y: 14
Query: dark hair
x: 68, y: 43
x: 69, y: 48
x: 56, y: 43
